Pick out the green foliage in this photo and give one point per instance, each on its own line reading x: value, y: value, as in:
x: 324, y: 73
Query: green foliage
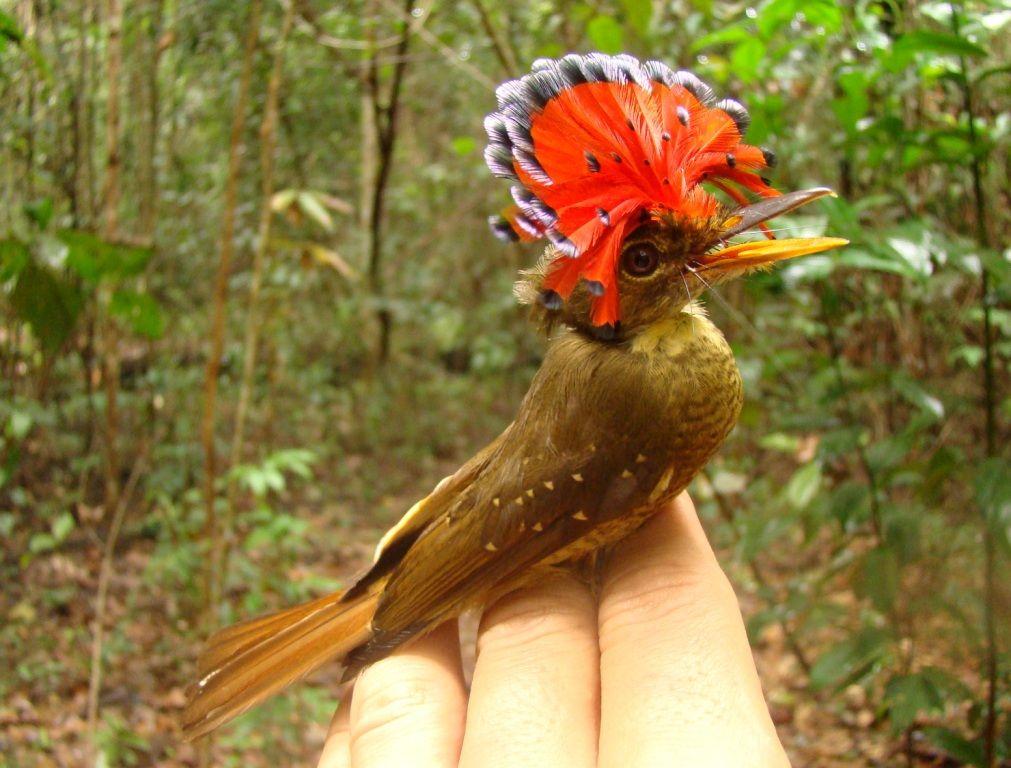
x: 269, y: 475
x: 851, y: 659
x: 605, y: 34
x: 48, y: 303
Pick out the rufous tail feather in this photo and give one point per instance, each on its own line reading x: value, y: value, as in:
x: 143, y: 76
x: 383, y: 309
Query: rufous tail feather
x: 244, y: 664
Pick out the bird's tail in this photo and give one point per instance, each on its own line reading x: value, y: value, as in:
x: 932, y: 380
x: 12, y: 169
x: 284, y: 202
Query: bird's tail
x: 244, y: 664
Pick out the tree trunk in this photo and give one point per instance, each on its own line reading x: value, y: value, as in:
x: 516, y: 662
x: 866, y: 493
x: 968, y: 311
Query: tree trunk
x: 268, y: 147
x: 147, y: 171
x: 383, y: 126
x: 115, y: 504
x: 218, y: 305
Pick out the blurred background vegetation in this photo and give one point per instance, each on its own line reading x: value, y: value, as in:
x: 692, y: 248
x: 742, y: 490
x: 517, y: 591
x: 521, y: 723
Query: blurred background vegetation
x: 250, y: 310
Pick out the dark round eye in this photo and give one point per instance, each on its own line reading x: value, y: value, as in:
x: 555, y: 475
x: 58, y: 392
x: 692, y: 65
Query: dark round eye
x: 641, y: 260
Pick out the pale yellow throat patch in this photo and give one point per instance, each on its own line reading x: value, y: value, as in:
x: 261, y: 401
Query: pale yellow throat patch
x: 672, y: 335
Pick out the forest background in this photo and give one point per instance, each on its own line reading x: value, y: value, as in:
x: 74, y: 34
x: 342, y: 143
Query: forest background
x: 250, y: 311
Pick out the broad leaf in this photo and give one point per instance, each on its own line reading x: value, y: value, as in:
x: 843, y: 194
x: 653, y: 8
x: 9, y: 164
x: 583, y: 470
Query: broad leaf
x: 48, y: 303
x: 139, y: 311
x: 850, y: 659
x: 910, y: 44
x: 14, y: 257
x: 95, y: 259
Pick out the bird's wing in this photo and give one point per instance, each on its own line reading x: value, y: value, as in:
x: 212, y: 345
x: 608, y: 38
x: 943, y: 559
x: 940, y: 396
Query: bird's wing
x: 398, y: 539
x: 564, y: 468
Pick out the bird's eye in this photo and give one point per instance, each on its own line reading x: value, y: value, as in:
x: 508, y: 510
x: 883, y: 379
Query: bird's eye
x: 641, y: 260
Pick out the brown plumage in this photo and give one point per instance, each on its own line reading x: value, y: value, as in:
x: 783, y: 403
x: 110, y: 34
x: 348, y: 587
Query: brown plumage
x: 618, y: 420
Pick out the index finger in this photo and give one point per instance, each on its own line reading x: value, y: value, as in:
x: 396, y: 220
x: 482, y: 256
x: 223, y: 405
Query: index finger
x: 678, y: 681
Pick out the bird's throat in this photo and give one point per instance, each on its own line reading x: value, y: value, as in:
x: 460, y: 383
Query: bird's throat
x: 677, y: 336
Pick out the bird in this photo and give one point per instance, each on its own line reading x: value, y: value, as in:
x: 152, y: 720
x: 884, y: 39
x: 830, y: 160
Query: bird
x: 639, y: 181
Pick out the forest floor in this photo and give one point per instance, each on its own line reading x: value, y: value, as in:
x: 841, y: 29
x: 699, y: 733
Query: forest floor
x: 150, y: 657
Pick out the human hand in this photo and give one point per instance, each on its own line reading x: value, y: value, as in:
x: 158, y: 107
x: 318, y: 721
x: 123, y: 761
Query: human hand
x: 655, y: 671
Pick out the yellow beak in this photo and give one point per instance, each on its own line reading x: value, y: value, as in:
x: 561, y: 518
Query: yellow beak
x: 757, y: 254
x: 760, y: 253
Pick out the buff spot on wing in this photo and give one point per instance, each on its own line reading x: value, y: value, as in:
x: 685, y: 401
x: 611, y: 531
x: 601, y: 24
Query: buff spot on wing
x: 491, y: 547
x: 661, y: 487
x: 640, y: 459
x: 530, y: 492
x: 577, y: 477
x: 549, y: 485
x: 580, y: 515
x: 537, y: 527
x: 626, y: 474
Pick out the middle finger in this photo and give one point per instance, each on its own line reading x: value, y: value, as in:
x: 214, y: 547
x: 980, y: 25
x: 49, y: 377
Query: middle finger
x: 535, y: 697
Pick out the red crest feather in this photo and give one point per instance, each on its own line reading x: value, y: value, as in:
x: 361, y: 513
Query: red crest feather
x: 601, y: 143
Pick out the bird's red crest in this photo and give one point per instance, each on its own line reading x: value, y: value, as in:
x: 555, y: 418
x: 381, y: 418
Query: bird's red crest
x: 600, y: 144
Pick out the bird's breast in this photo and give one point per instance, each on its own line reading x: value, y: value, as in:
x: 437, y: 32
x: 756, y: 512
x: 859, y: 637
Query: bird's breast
x: 670, y: 403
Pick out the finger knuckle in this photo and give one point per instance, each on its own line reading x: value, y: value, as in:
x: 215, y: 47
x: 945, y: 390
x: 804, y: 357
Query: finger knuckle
x: 660, y: 595
x: 537, y: 618
x: 385, y: 705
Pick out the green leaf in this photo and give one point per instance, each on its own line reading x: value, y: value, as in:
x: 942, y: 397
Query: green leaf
x: 849, y: 503
x: 62, y: 526
x: 139, y: 311
x: 889, y: 451
x: 734, y: 33
x: 19, y: 424
x: 298, y: 461
x: 315, y: 210
x: 606, y: 34
x: 850, y: 659
x: 826, y: 14
x: 95, y: 260
x: 886, y: 260
x: 776, y: 14
x: 993, y: 494
x: 801, y: 489
x: 963, y: 750
x: 463, y: 145
x: 918, y: 396
x: 908, y: 696
x: 14, y: 257
x: 48, y: 303
x: 879, y: 578
x: 850, y: 108
x: 638, y: 13
x: 40, y: 212
x: 780, y: 441
x: 41, y: 542
x: 9, y: 29
x: 905, y: 49
x: 746, y: 58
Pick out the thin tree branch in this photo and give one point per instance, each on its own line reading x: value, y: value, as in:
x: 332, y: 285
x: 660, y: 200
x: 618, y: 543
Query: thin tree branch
x: 990, y: 661
x: 503, y: 51
x: 102, y: 595
x: 268, y: 151
x: 420, y: 14
x: 219, y: 299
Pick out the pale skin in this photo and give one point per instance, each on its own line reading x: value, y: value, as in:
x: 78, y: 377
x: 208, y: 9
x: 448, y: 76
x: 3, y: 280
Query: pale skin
x: 655, y: 670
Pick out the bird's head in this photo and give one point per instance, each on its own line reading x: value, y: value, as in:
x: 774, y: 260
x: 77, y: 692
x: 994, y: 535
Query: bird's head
x: 617, y: 164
